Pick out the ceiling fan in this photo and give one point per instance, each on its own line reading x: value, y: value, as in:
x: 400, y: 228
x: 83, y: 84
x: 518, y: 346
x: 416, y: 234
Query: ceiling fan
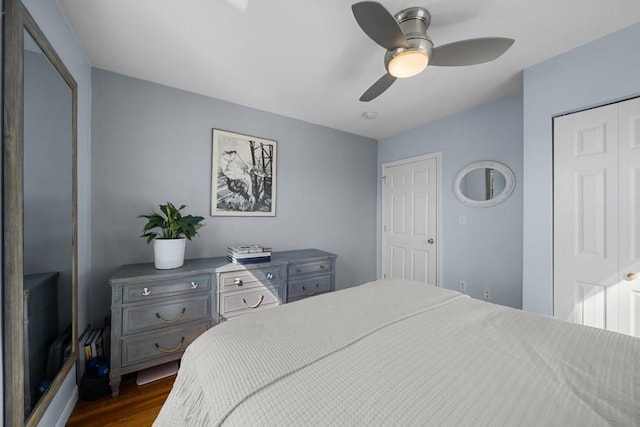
x: 410, y: 50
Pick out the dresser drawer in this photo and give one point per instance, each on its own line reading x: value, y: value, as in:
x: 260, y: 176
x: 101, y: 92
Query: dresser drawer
x: 243, y: 302
x: 145, y: 347
x: 251, y: 278
x: 308, y: 287
x: 168, y: 287
x: 144, y: 317
x: 306, y: 268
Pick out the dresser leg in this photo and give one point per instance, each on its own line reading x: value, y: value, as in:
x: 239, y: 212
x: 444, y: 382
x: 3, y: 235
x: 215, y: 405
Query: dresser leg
x: 115, y: 386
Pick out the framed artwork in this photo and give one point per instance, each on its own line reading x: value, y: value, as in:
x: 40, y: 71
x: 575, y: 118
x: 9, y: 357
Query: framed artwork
x: 243, y: 175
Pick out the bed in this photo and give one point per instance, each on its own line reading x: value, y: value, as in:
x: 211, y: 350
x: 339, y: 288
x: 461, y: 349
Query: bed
x: 395, y: 352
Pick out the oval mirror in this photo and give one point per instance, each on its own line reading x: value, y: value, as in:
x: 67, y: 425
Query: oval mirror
x: 484, y: 184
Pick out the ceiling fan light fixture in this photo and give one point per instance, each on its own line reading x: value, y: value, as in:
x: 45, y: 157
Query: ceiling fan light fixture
x: 408, y: 63
x: 408, y: 48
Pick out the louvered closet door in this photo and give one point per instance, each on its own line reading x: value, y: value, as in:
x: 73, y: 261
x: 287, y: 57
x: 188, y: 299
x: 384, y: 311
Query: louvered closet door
x: 596, y: 225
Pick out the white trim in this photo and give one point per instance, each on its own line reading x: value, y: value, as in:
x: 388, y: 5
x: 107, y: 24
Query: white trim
x: 438, y: 157
x: 59, y: 410
x: 68, y: 409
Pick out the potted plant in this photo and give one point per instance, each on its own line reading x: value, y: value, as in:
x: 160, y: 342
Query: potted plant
x: 169, y: 231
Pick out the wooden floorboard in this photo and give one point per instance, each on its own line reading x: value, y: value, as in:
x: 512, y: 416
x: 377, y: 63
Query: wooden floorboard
x: 137, y: 406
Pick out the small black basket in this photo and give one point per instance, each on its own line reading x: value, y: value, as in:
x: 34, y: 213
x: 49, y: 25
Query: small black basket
x: 93, y: 387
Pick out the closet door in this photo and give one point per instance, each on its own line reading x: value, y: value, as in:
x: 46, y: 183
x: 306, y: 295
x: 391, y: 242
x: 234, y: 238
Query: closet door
x: 597, y: 217
x: 629, y: 130
x: 586, y: 217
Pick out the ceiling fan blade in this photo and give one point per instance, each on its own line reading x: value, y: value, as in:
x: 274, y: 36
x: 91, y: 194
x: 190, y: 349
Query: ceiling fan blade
x: 470, y: 52
x: 378, y: 87
x: 379, y: 24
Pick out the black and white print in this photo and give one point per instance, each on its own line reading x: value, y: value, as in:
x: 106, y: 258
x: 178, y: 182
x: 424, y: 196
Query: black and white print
x: 243, y: 175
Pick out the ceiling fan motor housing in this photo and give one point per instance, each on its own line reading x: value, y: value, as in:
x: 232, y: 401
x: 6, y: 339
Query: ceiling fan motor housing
x: 414, y: 23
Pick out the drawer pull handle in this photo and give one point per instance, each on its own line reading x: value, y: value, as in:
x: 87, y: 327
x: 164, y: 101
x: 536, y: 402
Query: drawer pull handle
x: 269, y: 276
x: 297, y: 270
x: 178, y: 317
x: 321, y: 266
x: 194, y: 285
x: 313, y: 292
x: 256, y: 305
x: 146, y: 292
x: 238, y: 282
x: 171, y: 350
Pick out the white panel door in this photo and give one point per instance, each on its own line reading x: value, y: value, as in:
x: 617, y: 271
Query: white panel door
x: 596, y: 222
x: 629, y: 129
x: 586, y: 217
x: 409, y: 235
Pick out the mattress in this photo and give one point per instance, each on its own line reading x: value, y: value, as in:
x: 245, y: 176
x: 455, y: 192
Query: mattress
x: 395, y: 352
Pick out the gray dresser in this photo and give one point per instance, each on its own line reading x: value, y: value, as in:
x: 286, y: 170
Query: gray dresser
x: 156, y: 314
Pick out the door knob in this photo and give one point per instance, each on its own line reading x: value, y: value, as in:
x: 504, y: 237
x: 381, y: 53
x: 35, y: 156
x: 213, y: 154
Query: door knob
x: 430, y: 241
x: 631, y: 277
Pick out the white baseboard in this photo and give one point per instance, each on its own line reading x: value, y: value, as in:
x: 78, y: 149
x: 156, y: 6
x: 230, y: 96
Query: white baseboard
x: 68, y: 409
x: 61, y: 407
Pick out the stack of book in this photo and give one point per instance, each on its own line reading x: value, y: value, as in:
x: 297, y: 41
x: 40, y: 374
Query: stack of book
x: 96, y: 344
x: 248, y: 254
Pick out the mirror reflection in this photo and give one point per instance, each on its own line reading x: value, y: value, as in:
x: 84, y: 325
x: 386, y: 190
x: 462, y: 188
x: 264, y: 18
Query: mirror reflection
x: 48, y: 234
x: 482, y: 184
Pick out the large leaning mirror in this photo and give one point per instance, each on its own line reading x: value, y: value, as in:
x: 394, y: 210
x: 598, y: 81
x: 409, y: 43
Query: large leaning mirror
x: 39, y: 219
x: 484, y: 184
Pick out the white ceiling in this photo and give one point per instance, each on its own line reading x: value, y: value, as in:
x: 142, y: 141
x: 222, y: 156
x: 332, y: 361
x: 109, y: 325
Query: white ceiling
x: 309, y: 60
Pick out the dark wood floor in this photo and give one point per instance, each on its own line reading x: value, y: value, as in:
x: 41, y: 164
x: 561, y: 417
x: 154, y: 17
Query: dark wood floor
x: 137, y: 406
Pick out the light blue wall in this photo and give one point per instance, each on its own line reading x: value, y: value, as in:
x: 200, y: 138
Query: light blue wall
x: 53, y: 24
x: 152, y: 144
x: 487, y: 252
x: 600, y: 72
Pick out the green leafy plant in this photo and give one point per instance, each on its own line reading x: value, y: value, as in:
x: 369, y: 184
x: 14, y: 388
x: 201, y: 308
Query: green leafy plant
x: 171, y: 223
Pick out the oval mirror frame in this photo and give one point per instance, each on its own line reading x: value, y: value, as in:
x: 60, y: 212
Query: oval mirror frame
x: 509, y: 177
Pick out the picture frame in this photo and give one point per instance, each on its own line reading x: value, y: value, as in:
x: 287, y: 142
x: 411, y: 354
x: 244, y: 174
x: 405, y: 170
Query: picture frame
x: 243, y: 175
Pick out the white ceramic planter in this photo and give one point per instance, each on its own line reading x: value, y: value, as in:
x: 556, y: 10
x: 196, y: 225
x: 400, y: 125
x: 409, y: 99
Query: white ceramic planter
x: 169, y: 253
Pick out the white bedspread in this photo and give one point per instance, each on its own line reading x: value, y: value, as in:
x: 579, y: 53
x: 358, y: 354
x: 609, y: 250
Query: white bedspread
x: 402, y: 353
